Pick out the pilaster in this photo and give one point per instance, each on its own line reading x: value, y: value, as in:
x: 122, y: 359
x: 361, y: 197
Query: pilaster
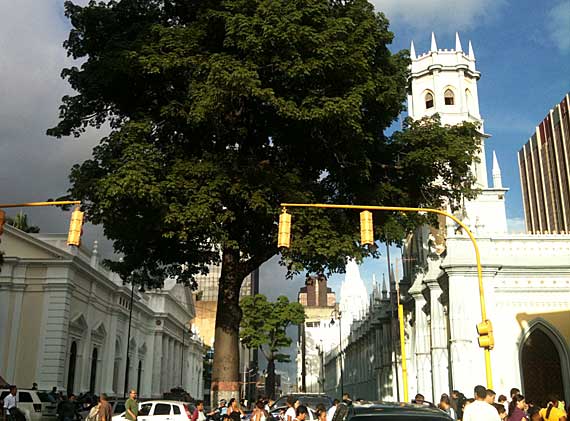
x: 439, y: 350
x: 422, y: 351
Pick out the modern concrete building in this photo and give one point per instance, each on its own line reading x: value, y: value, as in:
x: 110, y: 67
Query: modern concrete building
x: 65, y: 321
x: 544, y: 165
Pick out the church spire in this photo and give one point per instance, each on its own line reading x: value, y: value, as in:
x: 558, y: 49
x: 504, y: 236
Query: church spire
x: 433, y: 43
x: 457, y: 42
x: 412, y: 51
x: 471, y: 53
x: 497, y: 178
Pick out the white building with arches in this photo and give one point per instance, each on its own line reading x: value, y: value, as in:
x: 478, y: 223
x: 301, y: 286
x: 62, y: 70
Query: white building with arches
x: 65, y: 320
x: 526, y: 279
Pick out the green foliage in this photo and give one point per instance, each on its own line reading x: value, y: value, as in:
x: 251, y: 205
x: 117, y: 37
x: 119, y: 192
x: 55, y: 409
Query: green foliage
x: 221, y: 109
x: 264, y: 324
x: 20, y: 221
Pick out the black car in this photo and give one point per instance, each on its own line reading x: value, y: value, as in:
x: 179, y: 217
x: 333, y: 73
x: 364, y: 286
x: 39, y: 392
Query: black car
x: 395, y: 412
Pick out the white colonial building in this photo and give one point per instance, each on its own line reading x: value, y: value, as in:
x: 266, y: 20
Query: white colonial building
x: 526, y: 279
x: 65, y: 320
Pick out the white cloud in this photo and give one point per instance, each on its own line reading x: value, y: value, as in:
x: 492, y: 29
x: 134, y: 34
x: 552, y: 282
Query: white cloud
x: 516, y: 225
x: 559, y: 25
x: 439, y: 15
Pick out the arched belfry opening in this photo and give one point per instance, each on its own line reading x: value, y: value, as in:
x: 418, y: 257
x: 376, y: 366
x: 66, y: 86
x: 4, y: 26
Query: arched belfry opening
x: 544, y: 364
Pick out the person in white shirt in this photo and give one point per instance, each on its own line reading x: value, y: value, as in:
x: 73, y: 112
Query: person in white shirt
x: 290, y: 414
x: 332, y: 409
x: 480, y: 410
x: 10, y: 400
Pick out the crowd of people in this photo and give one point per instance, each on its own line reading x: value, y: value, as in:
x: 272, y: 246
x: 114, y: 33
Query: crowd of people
x: 486, y: 406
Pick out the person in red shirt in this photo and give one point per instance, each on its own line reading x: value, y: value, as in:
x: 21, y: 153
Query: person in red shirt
x: 198, y: 414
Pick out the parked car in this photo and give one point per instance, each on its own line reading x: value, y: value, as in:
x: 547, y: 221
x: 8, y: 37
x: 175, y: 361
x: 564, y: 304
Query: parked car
x: 310, y: 400
x: 161, y: 411
x: 34, y: 404
x: 395, y: 412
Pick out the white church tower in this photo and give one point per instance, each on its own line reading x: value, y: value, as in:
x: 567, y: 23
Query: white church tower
x: 444, y: 81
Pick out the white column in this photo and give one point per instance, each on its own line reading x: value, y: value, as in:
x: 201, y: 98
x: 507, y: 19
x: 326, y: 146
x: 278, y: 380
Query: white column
x: 439, y: 354
x: 108, y: 358
x: 422, y: 351
x: 157, y: 367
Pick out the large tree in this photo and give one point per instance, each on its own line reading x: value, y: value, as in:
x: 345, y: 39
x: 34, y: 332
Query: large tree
x: 221, y: 109
x: 264, y: 327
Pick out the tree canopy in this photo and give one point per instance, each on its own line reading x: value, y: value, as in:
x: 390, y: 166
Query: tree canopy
x: 221, y: 109
x: 264, y: 326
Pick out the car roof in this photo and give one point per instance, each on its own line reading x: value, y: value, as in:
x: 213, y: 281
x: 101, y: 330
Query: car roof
x: 375, y: 408
x: 165, y: 401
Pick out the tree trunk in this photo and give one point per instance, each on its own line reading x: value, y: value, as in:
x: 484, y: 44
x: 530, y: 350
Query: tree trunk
x: 270, y: 379
x: 225, y: 372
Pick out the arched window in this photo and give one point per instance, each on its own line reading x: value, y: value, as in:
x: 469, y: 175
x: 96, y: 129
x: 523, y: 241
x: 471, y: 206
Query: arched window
x: 93, y: 376
x: 429, y: 100
x: 71, y: 369
x: 449, y: 97
x: 468, y: 99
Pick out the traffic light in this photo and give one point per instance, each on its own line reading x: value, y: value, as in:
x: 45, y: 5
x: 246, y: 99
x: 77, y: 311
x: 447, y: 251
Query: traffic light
x: 2, y: 221
x: 75, y: 228
x: 366, y: 228
x: 485, y: 331
x: 284, y: 236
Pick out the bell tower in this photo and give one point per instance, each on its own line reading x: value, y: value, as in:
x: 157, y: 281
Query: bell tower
x: 444, y: 81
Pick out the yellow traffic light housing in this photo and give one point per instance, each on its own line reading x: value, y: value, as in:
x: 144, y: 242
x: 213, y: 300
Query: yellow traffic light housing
x: 366, y: 228
x: 485, y: 331
x: 75, y: 228
x: 284, y: 235
x: 2, y: 221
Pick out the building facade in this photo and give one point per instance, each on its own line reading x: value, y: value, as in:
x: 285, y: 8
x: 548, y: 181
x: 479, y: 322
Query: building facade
x: 526, y: 279
x: 544, y: 166
x: 65, y: 322
x: 317, y: 335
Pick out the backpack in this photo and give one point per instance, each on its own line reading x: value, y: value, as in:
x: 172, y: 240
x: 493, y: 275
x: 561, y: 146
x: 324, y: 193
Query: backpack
x: 93, y: 414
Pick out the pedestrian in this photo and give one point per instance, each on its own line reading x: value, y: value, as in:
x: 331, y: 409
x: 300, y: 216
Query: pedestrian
x: 503, y: 401
x: 342, y: 408
x: 53, y: 394
x: 322, y: 415
x: 516, y: 409
x: 34, y: 386
x: 332, y: 409
x: 67, y: 410
x: 290, y: 414
x: 445, y: 406
x: 514, y: 392
x: 259, y: 412
x: 218, y: 413
x: 480, y: 410
x: 490, y: 398
x: 11, y: 405
x: 501, y: 410
x: 534, y: 414
x: 552, y: 412
x: 132, y: 406
x: 198, y: 414
x: 419, y: 399
x: 234, y: 411
x: 105, y: 412
x: 302, y: 413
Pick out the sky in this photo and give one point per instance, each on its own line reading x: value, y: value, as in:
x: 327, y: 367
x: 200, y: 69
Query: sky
x: 522, y: 49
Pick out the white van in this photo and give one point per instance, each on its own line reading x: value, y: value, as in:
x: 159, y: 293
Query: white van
x: 34, y: 404
x: 161, y: 411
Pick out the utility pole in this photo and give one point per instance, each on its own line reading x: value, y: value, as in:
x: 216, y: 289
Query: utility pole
x: 129, y: 342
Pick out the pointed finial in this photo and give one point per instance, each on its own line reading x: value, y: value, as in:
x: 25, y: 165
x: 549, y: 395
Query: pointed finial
x: 497, y: 178
x: 384, y: 290
x: 457, y: 42
x: 433, y: 43
x: 95, y: 254
x: 471, y: 53
x: 412, y: 51
x: 95, y: 247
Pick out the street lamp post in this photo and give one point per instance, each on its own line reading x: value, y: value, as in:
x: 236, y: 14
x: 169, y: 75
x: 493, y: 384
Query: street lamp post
x: 127, y: 362
x: 338, y: 315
